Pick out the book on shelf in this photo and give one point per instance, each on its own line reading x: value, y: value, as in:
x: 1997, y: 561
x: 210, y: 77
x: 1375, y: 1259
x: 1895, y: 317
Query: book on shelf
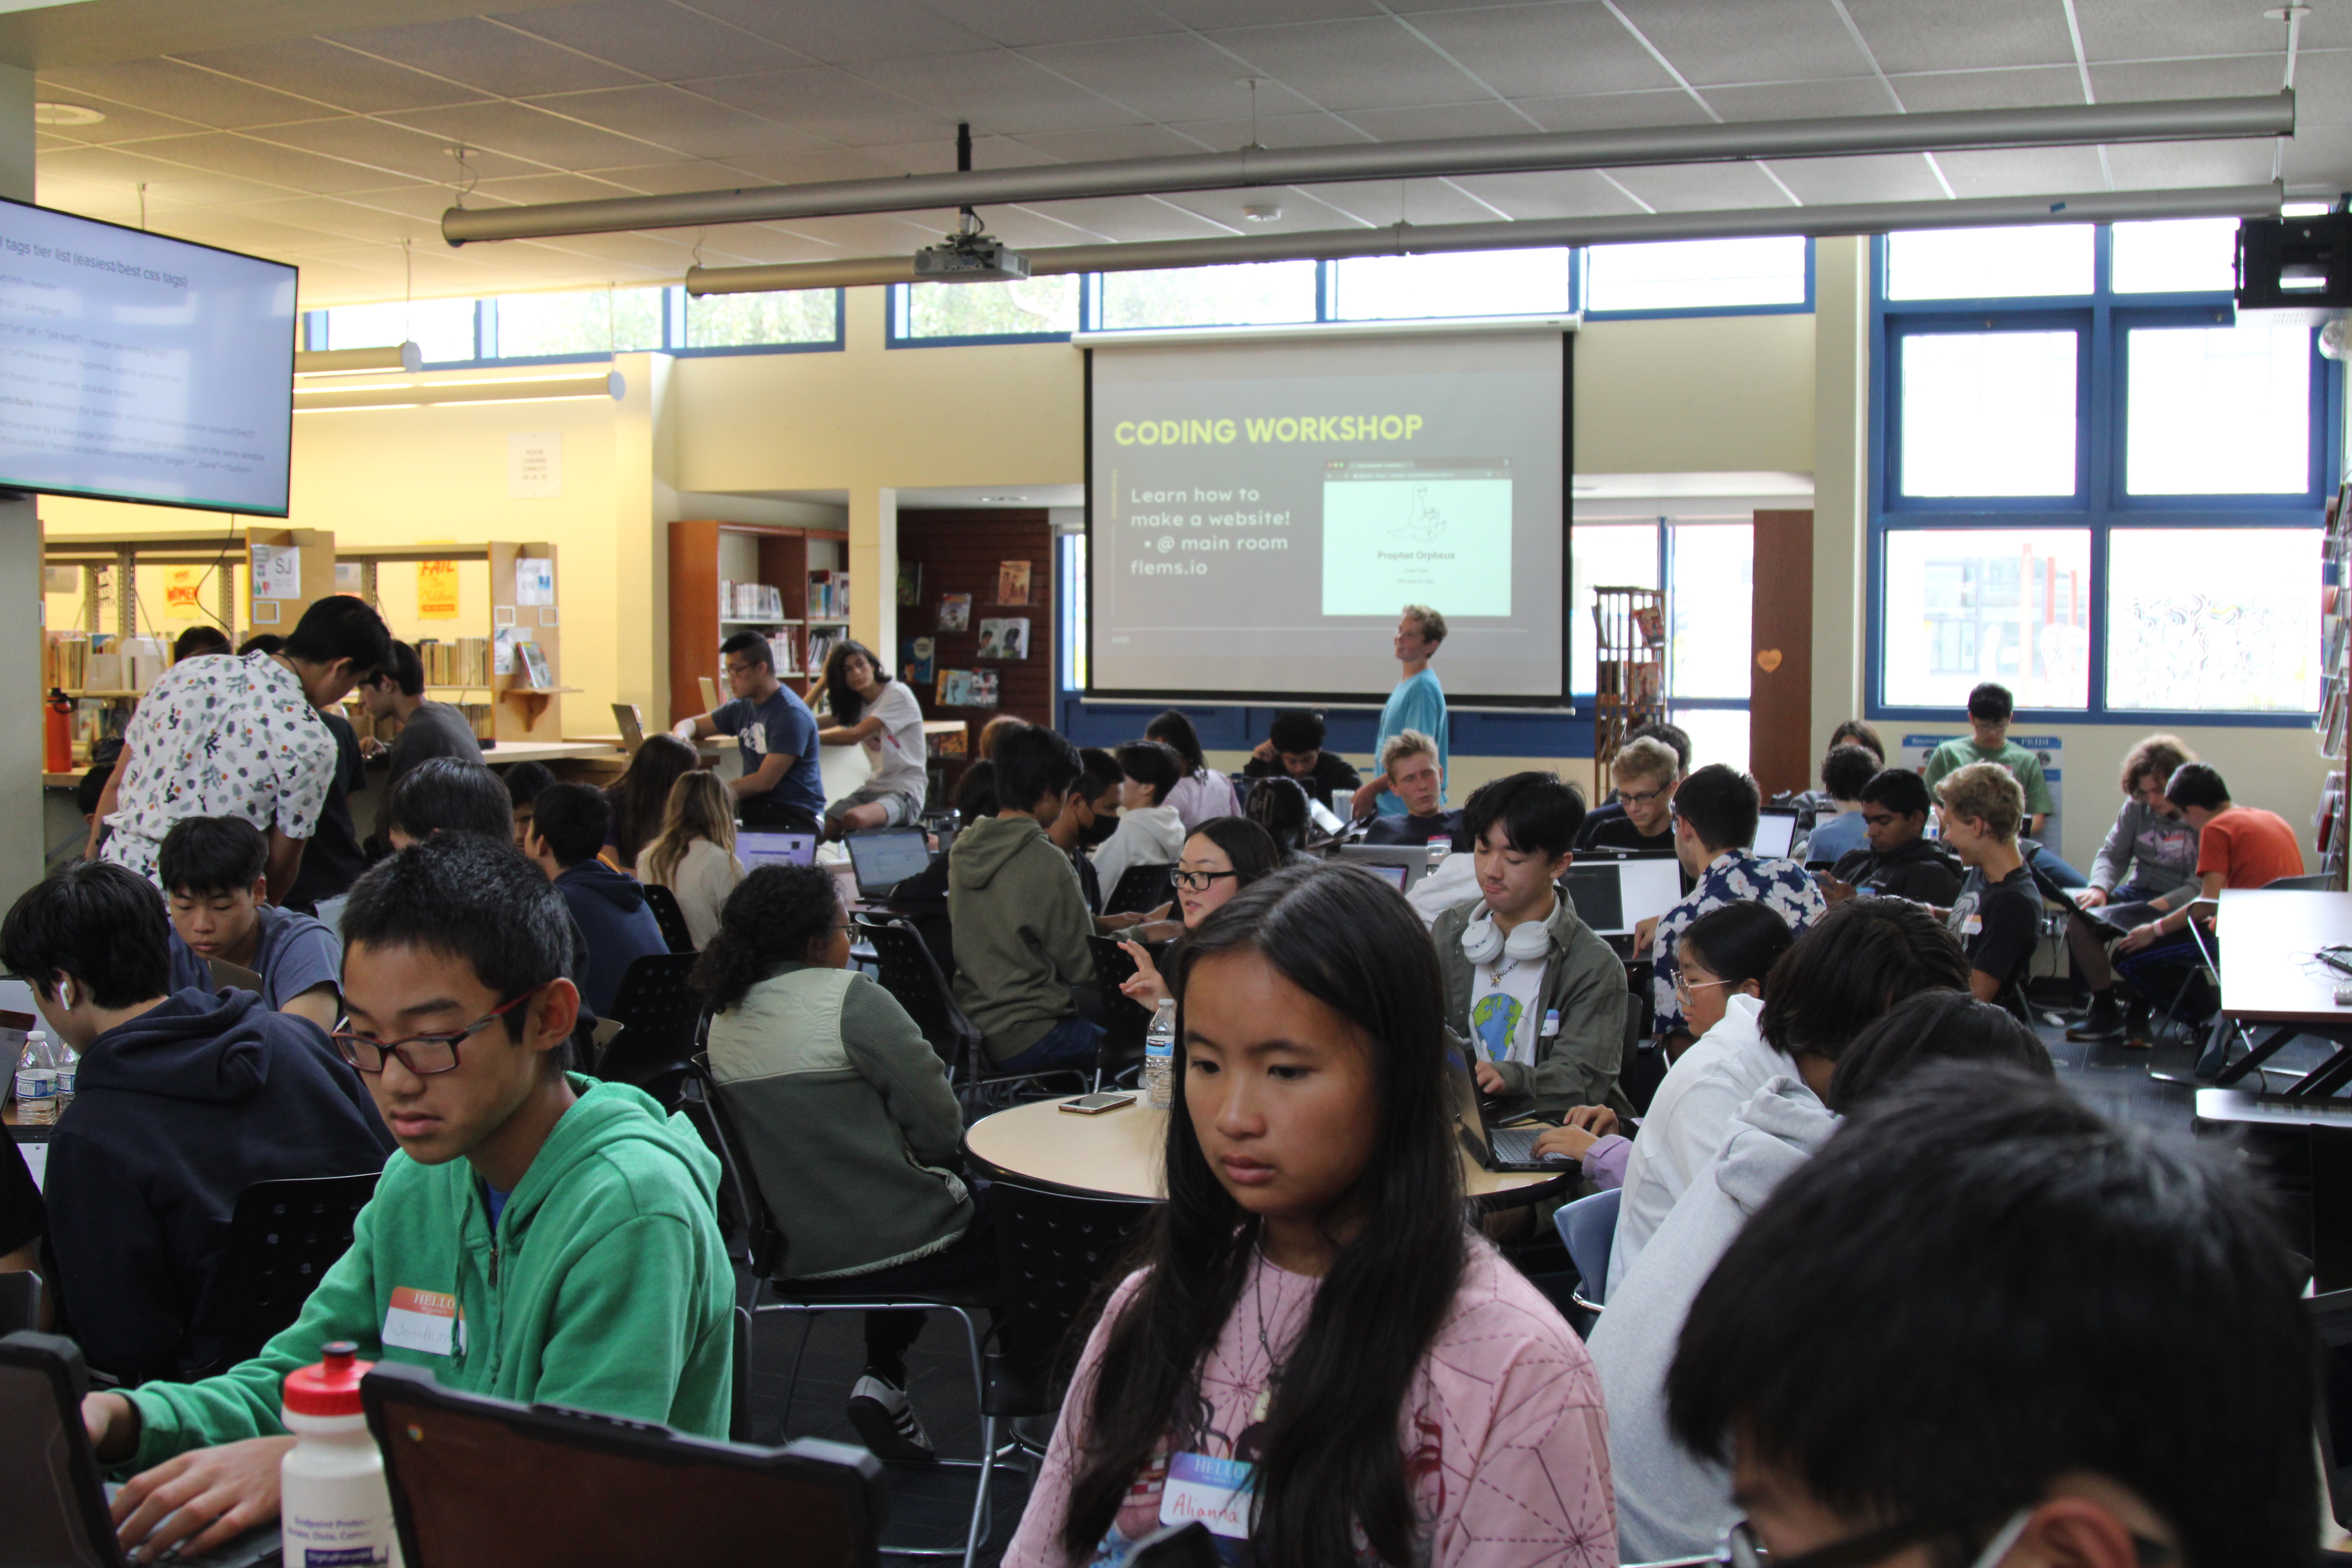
x: 535, y: 672
x: 918, y: 665
x: 1013, y: 582
x: 1006, y: 637
x: 822, y: 641
x: 828, y: 596
x: 955, y: 612
x: 954, y: 689
x: 983, y: 688
x: 751, y: 602
x: 1651, y: 624
x: 458, y: 661
x: 953, y: 743
x: 910, y: 582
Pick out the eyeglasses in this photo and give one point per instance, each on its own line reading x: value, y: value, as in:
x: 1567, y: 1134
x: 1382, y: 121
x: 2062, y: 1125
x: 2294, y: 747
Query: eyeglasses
x: 1741, y: 1548
x: 1628, y: 797
x: 1685, y: 985
x: 423, y: 1055
x: 1199, y: 881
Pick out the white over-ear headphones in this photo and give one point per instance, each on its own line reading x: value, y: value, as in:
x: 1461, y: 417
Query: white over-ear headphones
x: 1482, y: 944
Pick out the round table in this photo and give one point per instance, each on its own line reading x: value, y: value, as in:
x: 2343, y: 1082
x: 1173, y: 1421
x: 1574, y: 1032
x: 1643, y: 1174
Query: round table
x: 1119, y: 1155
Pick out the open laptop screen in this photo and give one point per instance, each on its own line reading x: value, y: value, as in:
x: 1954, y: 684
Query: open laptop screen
x: 1592, y: 888
x: 1395, y: 874
x: 887, y: 859
x: 1650, y: 887
x: 756, y: 850
x: 1776, y: 833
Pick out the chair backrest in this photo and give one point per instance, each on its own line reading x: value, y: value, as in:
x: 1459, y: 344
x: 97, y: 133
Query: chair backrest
x: 656, y: 997
x: 20, y: 1303
x: 764, y: 1241
x: 668, y: 915
x: 1056, y: 1253
x: 911, y: 976
x: 1140, y: 888
x: 2318, y: 882
x: 1125, y: 1020
x: 282, y: 1238
x: 1588, y: 1228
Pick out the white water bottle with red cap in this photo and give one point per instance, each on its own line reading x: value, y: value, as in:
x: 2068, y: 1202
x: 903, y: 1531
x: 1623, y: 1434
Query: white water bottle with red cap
x: 333, y: 1509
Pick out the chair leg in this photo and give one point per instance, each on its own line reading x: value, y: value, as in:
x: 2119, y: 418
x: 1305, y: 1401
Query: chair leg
x: 984, y: 1497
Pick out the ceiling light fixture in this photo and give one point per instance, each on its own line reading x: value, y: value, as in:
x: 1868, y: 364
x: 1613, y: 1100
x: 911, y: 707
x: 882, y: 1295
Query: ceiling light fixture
x: 2061, y: 125
x: 405, y: 356
x: 65, y: 114
x: 426, y: 394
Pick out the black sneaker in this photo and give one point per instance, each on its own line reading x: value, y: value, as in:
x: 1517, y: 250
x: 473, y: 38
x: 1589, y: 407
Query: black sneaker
x: 2104, y: 1021
x: 879, y: 1409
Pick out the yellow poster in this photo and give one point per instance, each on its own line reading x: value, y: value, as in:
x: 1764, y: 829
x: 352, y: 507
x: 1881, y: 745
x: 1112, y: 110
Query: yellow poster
x: 436, y: 590
x: 182, y: 584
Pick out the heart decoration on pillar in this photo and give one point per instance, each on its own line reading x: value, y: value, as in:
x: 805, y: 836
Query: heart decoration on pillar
x: 1769, y: 660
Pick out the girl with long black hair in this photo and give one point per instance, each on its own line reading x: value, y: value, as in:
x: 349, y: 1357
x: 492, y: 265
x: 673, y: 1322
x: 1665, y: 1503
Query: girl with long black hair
x: 1203, y: 793
x: 1314, y: 1322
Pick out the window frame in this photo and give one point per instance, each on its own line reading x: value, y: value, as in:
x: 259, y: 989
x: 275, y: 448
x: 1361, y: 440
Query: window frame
x: 894, y: 320
x: 318, y: 332
x: 1581, y: 274
x: 2104, y: 319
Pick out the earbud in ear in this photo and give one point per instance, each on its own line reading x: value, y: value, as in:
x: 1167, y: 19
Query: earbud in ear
x: 64, y: 995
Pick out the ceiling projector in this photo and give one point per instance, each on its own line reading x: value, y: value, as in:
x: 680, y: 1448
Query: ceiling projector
x: 970, y: 258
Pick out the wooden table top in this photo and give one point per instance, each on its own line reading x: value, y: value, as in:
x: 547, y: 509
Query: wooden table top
x: 1119, y: 1154
x: 2268, y: 935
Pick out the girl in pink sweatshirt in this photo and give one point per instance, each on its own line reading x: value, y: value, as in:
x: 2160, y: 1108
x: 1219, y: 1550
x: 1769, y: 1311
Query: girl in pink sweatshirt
x: 1319, y: 1360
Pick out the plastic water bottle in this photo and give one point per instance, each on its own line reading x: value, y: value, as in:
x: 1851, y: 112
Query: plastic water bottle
x: 1439, y: 848
x: 37, y: 1081
x: 68, y: 1066
x: 333, y: 1508
x: 1160, y: 1058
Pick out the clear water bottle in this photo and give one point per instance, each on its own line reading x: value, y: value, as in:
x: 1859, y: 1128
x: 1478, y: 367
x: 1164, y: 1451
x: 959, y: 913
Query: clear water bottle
x: 37, y: 1081
x: 68, y: 1066
x: 1159, y: 1057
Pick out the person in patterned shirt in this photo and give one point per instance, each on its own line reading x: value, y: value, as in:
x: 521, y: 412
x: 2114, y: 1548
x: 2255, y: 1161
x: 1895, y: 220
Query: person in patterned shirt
x: 223, y: 736
x: 1715, y: 821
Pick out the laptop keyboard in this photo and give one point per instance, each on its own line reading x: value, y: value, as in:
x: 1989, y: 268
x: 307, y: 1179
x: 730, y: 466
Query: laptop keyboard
x: 1514, y: 1145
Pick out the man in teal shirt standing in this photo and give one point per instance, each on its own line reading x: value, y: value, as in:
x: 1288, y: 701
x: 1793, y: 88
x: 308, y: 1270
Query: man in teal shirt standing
x: 1417, y: 703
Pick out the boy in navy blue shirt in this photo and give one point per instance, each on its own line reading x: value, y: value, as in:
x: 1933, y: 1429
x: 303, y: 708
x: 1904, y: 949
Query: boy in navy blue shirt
x: 782, y: 787
x: 568, y: 823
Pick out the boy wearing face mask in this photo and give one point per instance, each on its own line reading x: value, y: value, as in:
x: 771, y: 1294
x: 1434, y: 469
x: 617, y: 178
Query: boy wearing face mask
x: 1541, y: 999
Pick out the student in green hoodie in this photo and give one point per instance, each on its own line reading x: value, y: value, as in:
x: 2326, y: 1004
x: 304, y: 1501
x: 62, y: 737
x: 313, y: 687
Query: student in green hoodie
x: 1020, y: 923
x: 539, y: 1236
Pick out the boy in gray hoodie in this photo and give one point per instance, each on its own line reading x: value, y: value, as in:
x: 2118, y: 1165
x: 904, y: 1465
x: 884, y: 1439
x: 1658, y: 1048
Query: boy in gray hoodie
x: 1019, y: 922
x: 1670, y: 1503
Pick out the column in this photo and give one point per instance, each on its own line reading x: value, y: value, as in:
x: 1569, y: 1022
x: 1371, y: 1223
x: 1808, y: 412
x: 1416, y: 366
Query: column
x: 1841, y: 478
x: 20, y: 576
x: 874, y: 570
x: 645, y: 504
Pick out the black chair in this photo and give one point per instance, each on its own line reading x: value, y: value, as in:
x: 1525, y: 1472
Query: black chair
x: 1125, y: 1020
x: 20, y: 1303
x: 912, y: 975
x: 669, y: 917
x: 660, y: 1014
x: 1141, y: 889
x: 283, y: 1237
x: 1057, y: 1255
x: 769, y: 1249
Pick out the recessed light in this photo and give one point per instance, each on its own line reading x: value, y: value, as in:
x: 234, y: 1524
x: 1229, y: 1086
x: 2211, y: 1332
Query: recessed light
x: 1262, y: 211
x: 65, y: 114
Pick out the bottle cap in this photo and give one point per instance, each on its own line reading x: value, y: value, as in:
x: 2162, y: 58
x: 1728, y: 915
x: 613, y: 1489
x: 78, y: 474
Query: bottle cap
x: 330, y: 1388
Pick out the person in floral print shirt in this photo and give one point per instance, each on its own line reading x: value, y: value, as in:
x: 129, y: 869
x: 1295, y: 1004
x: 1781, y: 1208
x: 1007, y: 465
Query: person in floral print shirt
x: 224, y: 736
x: 1715, y: 821
x: 1318, y: 1356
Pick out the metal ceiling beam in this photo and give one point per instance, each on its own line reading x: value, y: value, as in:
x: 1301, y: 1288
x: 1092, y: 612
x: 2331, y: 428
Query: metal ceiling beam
x: 2178, y: 119
x: 1407, y: 239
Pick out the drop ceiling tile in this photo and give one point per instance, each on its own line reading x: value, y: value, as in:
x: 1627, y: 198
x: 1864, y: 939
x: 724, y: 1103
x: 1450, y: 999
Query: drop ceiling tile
x: 1441, y: 122
x: 1698, y: 187
x: 114, y: 169
x: 658, y: 253
x: 123, y: 123
x: 1569, y: 193
x: 1757, y: 40
x: 2033, y: 87
x: 655, y: 37
x: 1381, y: 203
x: 424, y: 202
x: 930, y: 157
x: 840, y: 35
x: 536, y: 188
x: 335, y: 220
x: 999, y: 91
x: 1545, y: 51
x: 1832, y: 182
x: 831, y: 104
x: 2169, y: 29
x: 1113, y: 141
x: 1130, y: 218
x: 2320, y: 164
x: 1180, y: 77
x: 801, y: 168
x: 1905, y: 35
x: 288, y: 168
x: 2023, y: 170
x: 1214, y: 14
x: 402, y: 149
x: 1279, y: 130
x: 173, y: 88
x: 687, y: 122
x: 2247, y: 76
x: 1368, y: 64
x: 1801, y: 100
x: 2173, y: 164
x: 233, y: 230
x: 482, y: 53
x: 872, y: 234
x: 315, y: 69
x: 2323, y: 90
x: 1055, y: 21
x: 1613, y: 110
x: 520, y: 131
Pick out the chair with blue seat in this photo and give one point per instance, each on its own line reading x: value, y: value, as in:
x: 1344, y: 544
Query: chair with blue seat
x: 1588, y: 1228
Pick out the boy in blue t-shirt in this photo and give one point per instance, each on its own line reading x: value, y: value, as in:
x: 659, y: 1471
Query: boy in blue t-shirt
x: 781, y: 786
x: 212, y: 869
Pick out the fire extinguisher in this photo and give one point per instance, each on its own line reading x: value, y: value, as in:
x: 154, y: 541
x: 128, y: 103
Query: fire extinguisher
x: 56, y: 754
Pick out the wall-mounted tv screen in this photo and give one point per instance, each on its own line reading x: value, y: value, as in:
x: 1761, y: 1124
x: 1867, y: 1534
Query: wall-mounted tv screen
x: 134, y: 367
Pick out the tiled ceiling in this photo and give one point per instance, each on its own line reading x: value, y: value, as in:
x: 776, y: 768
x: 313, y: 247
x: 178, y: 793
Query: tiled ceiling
x: 332, y: 151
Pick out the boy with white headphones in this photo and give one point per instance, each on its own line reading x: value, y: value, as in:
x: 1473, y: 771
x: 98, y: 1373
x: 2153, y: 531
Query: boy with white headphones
x: 1541, y: 999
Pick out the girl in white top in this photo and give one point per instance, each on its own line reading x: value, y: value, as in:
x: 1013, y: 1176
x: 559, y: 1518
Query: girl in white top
x: 1149, y: 831
x: 872, y: 711
x: 1201, y: 795
x: 694, y: 857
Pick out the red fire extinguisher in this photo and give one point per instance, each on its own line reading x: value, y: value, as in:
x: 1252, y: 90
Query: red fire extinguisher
x: 57, y: 752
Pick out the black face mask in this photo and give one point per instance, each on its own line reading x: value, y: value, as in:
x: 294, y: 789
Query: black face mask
x: 1104, y: 826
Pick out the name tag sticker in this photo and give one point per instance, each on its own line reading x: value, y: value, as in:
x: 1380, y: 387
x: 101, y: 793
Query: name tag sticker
x: 1220, y: 1493
x: 422, y: 1321
x: 1971, y: 924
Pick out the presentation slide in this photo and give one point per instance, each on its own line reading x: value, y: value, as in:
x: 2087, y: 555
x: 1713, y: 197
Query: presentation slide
x: 135, y: 367
x: 1261, y: 512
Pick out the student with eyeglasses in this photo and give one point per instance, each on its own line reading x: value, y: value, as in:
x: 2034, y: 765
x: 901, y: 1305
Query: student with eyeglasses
x: 1224, y: 856
x: 539, y: 1236
x: 1645, y: 771
x: 1986, y: 1326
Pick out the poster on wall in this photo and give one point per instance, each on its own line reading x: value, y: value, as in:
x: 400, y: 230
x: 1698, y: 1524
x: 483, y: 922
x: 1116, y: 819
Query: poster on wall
x: 277, y: 570
x: 183, y: 586
x: 436, y: 590
x: 535, y: 465
x: 534, y: 580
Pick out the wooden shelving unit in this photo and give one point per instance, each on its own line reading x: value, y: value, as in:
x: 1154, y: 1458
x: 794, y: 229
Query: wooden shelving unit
x: 2329, y: 824
x: 702, y: 555
x: 520, y: 711
x: 1630, y: 678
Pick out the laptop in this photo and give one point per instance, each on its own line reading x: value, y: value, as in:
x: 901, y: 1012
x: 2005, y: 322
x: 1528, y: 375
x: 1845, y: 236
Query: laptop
x: 1395, y: 875
x: 56, y: 1510
x: 1614, y: 896
x: 478, y: 1482
x: 887, y: 857
x: 1412, y: 858
x: 709, y: 693
x: 1497, y: 1148
x: 1776, y: 833
x: 757, y: 847
x: 633, y: 726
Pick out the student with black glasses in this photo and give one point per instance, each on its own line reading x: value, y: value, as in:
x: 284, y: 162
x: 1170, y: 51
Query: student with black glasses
x: 1224, y: 856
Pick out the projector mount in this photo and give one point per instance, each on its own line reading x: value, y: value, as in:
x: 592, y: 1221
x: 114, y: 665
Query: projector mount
x: 970, y: 255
